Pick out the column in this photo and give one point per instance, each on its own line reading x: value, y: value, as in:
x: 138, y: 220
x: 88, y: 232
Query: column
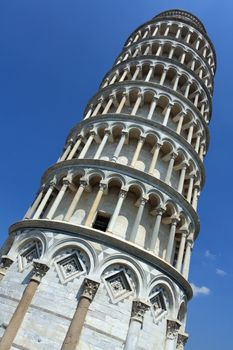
x: 67, y: 151
x: 198, y: 43
x: 116, y: 75
x: 173, y: 327
x: 87, y: 145
x: 190, y: 188
x: 133, y: 233
x: 167, y: 30
x: 196, y: 99
x: 35, y: 204
x: 122, y: 103
x: 159, y: 212
x: 6, y: 262
x: 137, y: 151
x: 171, y: 239
x: 187, y: 257
x: 170, y: 167
x: 150, y: 73
x: 126, y: 71
x: 201, y: 153
x: 9, y: 335
x: 147, y: 50
x: 186, y: 94
x: 167, y: 114
x: 155, y: 158
x: 183, y: 57
x: 137, y: 51
x: 178, y: 32
x: 139, y: 309
x: 159, y: 50
x: 137, y: 71
x: 181, y: 251
x: 137, y: 104
x: 163, y: 77
x: 75, y: 200
x: 58, y: 199
x: 171, y: 52
x: 75, y: 148
x: 108, y: 105
x: 89, y: 112
x: 97, y: 108
x: 152, y: 108
x: 188, y: 37
x: 182, y: 178
x: 155, y: 31
x: 106, y: 82
x: 72, y: 337
x: 121, y: 198
x: 198, y: 140
x: 190, y: 133
x: 95, y: 205
x: 180, y: 123
x: 175, y: 86
x: 195, y: 197
x: 119, y: 146
x: 181, y: 341
x: 44, y: 200
x: 107, y: 132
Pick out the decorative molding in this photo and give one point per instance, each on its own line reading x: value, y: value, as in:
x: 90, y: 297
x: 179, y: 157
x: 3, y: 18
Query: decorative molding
x: 139, y: 309
x: 90, y: 288
x: 173, y: 327
x: 40, y: 269
x: 181, y: 341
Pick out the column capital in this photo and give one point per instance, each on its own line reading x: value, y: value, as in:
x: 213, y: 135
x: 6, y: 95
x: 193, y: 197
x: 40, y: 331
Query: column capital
x: 66, y: 181
x: 40, y: 269
x: 5, y: 263
x: 181, y: 341
x: 173, y: 327
x: 123, y: 193
x: 53, y: 183
x: 90, y: 288
x: 70, y: 142
x: 139, y: 308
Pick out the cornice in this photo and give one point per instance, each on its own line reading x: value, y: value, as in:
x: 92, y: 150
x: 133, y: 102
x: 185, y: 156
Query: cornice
x: 110, y: 240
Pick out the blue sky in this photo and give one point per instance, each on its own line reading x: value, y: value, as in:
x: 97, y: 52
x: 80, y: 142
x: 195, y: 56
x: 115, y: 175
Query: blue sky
x: 53, y: 56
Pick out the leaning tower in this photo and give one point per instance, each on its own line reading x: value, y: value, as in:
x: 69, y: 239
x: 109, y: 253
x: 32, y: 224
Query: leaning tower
x: 101, y: 258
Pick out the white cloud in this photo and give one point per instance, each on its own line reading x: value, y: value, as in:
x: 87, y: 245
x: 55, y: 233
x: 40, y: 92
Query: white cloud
x: 209, y: 255
x: 221, y: 272
x: 200, y: 290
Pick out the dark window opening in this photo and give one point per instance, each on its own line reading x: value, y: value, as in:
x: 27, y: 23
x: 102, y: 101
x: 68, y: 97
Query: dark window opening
x: 101, y: 221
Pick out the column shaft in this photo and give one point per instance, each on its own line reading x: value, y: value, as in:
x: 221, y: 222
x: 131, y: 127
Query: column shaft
x: 57, y: 201
x: 86, y: 147
x: 35, y: 204
x: 181, y: 252
x: 43, y: 202
x: 74, y: 202
x: 94, y: 206
x: 75, y: 148
x: 102, y: 145
x: 137, y: 221
x: 115, y: 215
x: 154, y: 159
x: 171, y: 241
x: 137, y: 151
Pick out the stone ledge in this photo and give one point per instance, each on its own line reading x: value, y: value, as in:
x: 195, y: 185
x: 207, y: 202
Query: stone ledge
x: 111, y: 241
